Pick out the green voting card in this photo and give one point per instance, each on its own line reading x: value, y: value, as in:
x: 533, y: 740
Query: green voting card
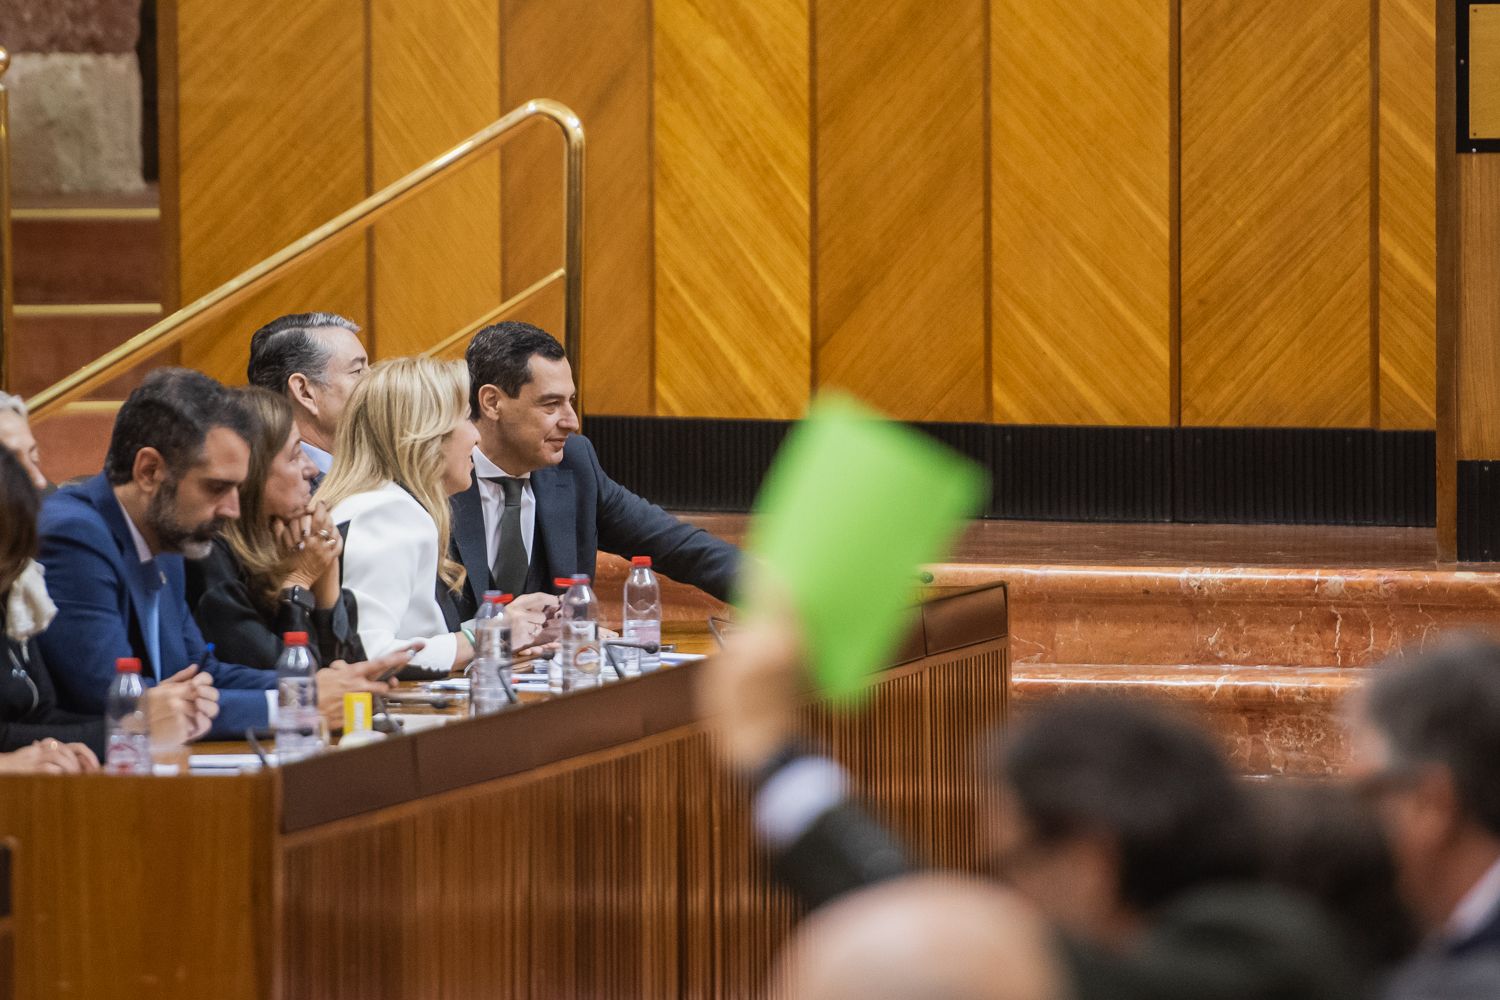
x: 851, y: 509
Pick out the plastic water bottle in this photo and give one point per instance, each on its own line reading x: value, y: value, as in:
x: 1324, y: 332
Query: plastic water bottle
x: 487, y: 693
x: 296, y: 700
x: 642, y: 618
x: 579, y: 612
x: 127, y: 748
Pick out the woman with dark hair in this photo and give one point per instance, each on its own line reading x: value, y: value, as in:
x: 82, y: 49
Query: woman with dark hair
x: 275, y: 569
x: 36, y: 735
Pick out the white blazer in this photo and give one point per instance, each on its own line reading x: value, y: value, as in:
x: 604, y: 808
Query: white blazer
x: 390, y: 565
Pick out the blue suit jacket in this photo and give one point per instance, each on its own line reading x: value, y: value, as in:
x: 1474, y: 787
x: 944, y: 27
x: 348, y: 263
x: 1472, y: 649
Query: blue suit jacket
x: 101, y: 588
x: 579, y: 511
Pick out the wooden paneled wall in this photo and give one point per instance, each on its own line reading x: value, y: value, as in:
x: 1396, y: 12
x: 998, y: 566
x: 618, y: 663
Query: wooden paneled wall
x: 1199, y: 212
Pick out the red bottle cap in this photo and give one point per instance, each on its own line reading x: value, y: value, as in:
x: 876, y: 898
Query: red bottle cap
x: 498, y: 598
x: 640, y: 561
x: 295, y: 638
x: 127, y: 665
x: 562, y: 582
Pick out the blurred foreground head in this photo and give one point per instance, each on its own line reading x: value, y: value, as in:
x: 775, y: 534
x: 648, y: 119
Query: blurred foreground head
x: 1110, y: 809
x: 927, y: 937
x: 1425, y: 736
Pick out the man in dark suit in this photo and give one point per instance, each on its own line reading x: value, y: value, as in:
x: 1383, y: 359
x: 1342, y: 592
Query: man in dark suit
x: 314, y: 359
x: 1119, y: 824
x: 1426, y: 741
x: 540, y: 507
x: 113, y: 549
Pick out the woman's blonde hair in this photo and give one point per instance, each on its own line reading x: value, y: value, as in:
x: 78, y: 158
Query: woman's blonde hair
x: 392, y: 430
x: 250, y: 536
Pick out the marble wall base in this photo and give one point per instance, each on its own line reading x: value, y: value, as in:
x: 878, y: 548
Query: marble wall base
x: 75, y: 123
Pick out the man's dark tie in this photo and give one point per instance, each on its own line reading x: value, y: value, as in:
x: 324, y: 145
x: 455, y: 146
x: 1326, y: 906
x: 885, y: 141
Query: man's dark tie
x: 508, y: 575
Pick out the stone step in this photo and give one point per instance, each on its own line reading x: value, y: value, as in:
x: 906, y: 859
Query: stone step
x: 53, y: 341
x: 1273, y: 720
x: 1246, y: 616
x: 94, y: 253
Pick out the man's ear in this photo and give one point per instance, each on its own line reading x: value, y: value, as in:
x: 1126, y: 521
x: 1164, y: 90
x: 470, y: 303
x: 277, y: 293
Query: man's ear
x: 149, y: 471
x: 489, y: 401
x: 1437, y: 797
x: 299, y: 388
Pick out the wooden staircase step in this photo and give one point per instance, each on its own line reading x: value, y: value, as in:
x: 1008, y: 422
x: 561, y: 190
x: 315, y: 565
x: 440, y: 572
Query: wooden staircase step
x: 53, y: 341
x: 73, y: 443
x: 87, y: 255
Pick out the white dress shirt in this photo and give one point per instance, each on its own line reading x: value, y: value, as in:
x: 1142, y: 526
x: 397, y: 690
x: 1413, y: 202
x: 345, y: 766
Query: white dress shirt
x: 1476, y: 908
x: 492, y: 502
x: 320, y: 458
x: 141, y: 548
x: 390, y: 566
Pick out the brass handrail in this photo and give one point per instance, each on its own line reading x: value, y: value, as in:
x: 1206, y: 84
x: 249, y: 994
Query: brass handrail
x: 7, y: 276
x: 184, y: 321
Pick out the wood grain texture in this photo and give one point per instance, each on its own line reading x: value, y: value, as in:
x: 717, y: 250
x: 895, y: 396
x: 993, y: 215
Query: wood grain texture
x: 1484, y: 71
x: 270, y: 146
x: 900, y: 205
x: 733, y: 312
x: 1408, y: 212
x: 1081, y: 212
x: 434, y: 70
x: 131, y: 887
x: 1276, y: 119
x: 1478, y: 350
x: 595, y: 58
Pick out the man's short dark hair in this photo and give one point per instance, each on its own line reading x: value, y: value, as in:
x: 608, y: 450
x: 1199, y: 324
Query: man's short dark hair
x: 1154, y: 784
x: 286, y: 346
x: 1443, y: 707
x: 172, y: 411
x: 500, y: 355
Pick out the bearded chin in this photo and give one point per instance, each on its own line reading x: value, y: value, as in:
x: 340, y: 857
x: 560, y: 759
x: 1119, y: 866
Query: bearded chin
x: 196, y: 548
x: 192, y: 542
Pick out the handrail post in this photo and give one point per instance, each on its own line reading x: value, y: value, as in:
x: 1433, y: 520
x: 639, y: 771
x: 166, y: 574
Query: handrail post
x: 7, y: 271
x: 573, y: 251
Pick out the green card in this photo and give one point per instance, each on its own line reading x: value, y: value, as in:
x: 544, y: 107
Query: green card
x: 852, y: 508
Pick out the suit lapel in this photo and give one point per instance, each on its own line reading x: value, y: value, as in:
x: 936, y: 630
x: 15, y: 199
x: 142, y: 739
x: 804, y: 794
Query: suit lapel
x: 556, y: 514
x: 468, y: 535
x: 140, y: 578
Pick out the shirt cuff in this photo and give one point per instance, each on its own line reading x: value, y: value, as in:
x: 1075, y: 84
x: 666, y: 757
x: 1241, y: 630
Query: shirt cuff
x: 438, y: 655
x: 792, y: 799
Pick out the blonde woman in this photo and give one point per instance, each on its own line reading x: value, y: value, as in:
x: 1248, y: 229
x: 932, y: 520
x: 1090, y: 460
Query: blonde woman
x: 403, y: 447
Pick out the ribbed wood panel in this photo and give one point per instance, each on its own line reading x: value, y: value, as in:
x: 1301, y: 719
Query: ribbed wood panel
x: 1276, y: 121
x: 433, y: 81
x: 732, y: 221
x: 256, y: 108
x: 1082, y: 216
x: 900, y: 205
x: 1479, y: 323
x: 631, y: 873
x: 595, y: 58
x: 1408, y: 214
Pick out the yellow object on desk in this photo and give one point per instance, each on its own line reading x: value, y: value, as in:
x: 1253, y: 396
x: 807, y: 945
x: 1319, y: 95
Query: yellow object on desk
x: 358, y: 712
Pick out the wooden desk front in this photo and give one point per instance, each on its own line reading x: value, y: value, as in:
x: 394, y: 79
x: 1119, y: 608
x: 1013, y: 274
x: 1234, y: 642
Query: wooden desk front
x: 589, y: 846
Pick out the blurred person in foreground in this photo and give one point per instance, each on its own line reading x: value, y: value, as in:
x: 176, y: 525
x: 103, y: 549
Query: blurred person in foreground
x: 1425, y: 737
x: 922, y: 937
x: 1120, y: 824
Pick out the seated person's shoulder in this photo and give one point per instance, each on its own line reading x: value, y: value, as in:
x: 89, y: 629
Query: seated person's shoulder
x: 69, y: 512
x: 388, y: 506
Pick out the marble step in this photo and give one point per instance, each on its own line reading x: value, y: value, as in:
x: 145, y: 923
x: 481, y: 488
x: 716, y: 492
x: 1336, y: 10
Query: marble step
x: 1245, y: 616
x: 1273, y: 720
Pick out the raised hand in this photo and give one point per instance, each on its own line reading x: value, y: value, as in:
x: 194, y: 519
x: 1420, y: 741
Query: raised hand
x: 182, y: 707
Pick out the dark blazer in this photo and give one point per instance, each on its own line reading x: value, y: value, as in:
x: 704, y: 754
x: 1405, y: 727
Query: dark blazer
x: 100, y: 588
x: 1463, y: 970
x: 580, y: 511
x: 28, y: 704
x: 244, y: 631
x: 1217, y: 942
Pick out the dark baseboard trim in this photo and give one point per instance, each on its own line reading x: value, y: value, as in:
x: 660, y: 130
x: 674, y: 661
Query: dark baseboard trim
x: 1209, y: 475
x: 1479, y: 511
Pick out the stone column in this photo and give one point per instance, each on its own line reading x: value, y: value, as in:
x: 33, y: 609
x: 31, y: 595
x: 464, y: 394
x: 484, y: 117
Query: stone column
x: 75, y: 87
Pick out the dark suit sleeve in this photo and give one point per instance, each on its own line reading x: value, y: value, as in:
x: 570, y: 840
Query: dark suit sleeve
x: 844, y: 850
x: 89, y: 632
x: 242, y: 689
x: 630, y: 526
